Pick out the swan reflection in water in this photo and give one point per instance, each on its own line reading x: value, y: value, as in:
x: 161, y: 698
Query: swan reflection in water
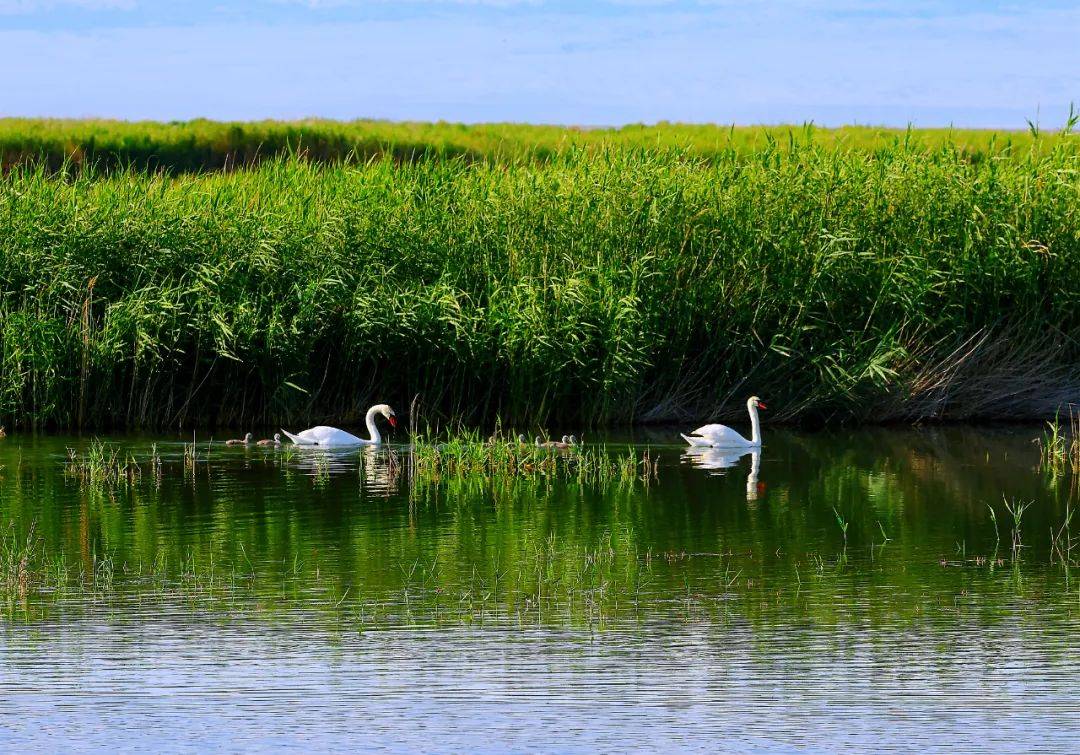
x: 378, y: 467
x: 717, y: 460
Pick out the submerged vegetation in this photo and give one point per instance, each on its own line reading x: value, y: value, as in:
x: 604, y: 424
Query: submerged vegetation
x: 607, y: 282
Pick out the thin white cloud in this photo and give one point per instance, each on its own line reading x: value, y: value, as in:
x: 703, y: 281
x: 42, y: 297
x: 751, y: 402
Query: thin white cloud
x: 332, y: 4
x: 24, y: 7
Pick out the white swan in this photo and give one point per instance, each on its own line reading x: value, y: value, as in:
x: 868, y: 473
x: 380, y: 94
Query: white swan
x: 722, y: 436
x: 331, y: 436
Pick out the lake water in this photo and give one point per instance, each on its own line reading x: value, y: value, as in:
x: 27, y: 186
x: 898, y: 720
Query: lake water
x: 265, y: 598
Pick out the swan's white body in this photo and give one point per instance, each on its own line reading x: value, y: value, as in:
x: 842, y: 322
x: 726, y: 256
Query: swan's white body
x: 331, y: 436
x: 722, y: 436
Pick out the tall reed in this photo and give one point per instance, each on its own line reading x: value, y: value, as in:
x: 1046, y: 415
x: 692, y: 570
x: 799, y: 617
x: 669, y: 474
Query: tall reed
x: 601, y: 285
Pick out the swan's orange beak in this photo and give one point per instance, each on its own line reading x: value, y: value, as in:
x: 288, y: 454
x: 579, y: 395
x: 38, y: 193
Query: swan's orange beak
x: 761, y: 405
x: 393, y: 420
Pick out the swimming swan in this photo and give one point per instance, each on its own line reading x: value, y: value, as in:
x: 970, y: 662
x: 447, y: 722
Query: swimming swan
x: 331, y: 436
x: 237, y: 442
x: 722, y: 436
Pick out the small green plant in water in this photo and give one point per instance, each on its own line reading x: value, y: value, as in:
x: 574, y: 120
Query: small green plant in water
x: 1016, y: 509
x: 844, y: 525
x: 102, y: 464
x: 1060, y: 445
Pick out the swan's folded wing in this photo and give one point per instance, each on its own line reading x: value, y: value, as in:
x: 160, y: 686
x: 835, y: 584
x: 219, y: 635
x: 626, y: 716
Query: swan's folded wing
x: 721, y: 435
x: 710, y: 430
x: 299, y: 439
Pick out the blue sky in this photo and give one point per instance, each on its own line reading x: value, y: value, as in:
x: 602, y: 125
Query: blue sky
x: 594, y: 62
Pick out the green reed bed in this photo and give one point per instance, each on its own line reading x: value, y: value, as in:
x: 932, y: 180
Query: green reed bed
x: 200, y: 145
x: 603, y: 285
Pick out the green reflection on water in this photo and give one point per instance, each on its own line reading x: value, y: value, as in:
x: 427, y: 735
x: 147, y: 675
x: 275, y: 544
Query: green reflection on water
x: 351, y: 536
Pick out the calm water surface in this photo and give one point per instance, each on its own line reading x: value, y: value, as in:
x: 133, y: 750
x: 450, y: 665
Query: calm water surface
x: 267, y: 599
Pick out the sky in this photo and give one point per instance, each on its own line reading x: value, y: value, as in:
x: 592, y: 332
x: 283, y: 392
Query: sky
x: 592, y: 62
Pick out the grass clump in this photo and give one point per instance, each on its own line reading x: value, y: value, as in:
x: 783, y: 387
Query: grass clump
x: 25, y: 565
x: 104, y: 464
x: 467, y: 455
x: 1060, y: 444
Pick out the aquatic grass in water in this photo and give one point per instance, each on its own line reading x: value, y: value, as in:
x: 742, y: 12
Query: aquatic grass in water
x: 1016, y: 510
x: 19, y: 563
x: 1060, y: 444
x: 466, y: 454
x: 28, y: 568
x: 103, y: 464
x: 463, y: 455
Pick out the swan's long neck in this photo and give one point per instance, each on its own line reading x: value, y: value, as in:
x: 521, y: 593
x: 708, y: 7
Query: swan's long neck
x: 755, y: 426
x: 373, y: 431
